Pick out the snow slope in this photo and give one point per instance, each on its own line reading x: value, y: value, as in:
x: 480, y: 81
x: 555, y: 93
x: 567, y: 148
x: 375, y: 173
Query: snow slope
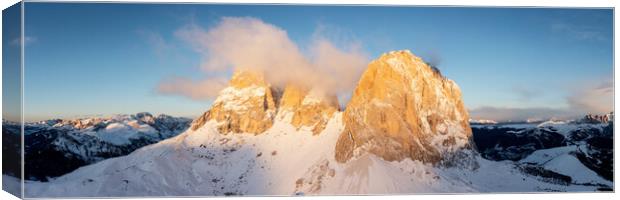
x: 281, y: 161
x: 561, y: 160
x: 573, y: 152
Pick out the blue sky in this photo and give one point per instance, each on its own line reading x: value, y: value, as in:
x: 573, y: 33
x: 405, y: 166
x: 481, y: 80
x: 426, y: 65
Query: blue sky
x: 11, y: 101
x: 102, y: 59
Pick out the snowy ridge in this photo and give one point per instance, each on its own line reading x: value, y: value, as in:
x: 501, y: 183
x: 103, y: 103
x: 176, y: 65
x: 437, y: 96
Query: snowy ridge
x: 281, y: 161
x: 569, y: 152
x: 56, y: 147
x: 121, y: 129
x: 481, y: 121
x: 561, y: 161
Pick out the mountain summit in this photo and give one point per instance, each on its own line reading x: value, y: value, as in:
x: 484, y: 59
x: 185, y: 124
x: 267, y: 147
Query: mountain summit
x: 307, y: 107
x: 250, y: 105
x: 247, y: 105
x: 404, y: 108
x: 401, y: 108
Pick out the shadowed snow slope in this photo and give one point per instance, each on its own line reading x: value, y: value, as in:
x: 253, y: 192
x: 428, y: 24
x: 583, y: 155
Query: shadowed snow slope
x: 55, y: 147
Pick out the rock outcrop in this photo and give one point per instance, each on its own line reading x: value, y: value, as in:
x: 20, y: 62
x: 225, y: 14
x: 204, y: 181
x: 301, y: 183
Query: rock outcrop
x: 307, y: 107
x: 247, y: 105
x: 597, y: 119
x: 403, y: 108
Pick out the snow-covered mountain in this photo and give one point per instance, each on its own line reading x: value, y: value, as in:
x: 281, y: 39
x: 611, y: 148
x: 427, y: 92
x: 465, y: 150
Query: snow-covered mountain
x: 595, y: 119
x: 405, y: 131
x: 56, y: 147
x: 578, y: 152
x: 481, y: 121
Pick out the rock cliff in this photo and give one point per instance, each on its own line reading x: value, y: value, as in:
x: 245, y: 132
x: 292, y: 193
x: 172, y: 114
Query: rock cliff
x: 404, y: 108
x: 247, y: 105
x: 307, y: 107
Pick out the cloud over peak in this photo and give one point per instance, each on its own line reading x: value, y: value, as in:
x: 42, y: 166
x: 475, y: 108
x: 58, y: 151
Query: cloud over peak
x: 250, y: 43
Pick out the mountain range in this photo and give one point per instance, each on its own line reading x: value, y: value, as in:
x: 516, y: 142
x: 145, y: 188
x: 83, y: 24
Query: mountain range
x: 56, y: 147
x: 405, y: 130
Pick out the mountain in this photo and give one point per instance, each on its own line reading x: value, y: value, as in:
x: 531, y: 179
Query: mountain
x: 56, y: 147
x: 595, y: 119
x: 247, y: 105
x: 250, y: 105
x: 554, y: 146
x: 403, y: 108
x: 307, y: 107
x: 404, y: 131
x: 481, y: 121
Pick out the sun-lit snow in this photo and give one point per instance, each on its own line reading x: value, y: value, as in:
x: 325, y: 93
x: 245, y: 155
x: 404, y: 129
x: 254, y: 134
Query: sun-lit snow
x: 284, y: 161
x: 234, y: 98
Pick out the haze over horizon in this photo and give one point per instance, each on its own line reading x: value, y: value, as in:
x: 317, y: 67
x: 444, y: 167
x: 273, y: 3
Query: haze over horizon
x: 510, y: 63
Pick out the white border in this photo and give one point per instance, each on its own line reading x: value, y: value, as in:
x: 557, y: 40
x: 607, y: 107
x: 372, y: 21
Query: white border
x: 484, y: 3
x: 511, y: 3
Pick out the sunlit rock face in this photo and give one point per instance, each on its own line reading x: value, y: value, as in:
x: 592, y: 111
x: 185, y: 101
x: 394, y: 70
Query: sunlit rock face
x: 310, y: 108
x: 403, y: 108
x: 247, y: 105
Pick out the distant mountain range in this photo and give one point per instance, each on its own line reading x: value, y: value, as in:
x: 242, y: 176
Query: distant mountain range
x: 587, y: 142
x: 588, y: 118
x: 56, y: 147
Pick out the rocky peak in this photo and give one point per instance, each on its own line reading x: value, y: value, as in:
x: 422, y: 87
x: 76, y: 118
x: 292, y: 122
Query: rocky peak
x: 246, y: 79
x: 247, y: 105
x: 144, y: 117
x: 250, y: 104
x: 83, y: 123
x: 402, y: 108
x: 596, y: 119
x: 304, y: 107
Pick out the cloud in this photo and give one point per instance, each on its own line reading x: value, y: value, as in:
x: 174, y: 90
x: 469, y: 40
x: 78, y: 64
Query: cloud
x: 27, y: 40
x: 193, y: 89
x: 249, y: 43
x: 160, y: 46
x: 580, y: 32
x: 518, y: 114
x: 594, y: 97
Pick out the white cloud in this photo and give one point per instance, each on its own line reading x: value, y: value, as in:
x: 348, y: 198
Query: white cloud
x: 519, y: 114
x: 594, y: 97
x: 253, y: 44
x: 194, y: 89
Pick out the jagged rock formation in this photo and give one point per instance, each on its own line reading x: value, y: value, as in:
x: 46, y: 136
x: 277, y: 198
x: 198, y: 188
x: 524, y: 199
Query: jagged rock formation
x: 595, y: 119
x: 309, y: 108
x: 247, y: 105
x: 250, y: 104
x: 402, y: 108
